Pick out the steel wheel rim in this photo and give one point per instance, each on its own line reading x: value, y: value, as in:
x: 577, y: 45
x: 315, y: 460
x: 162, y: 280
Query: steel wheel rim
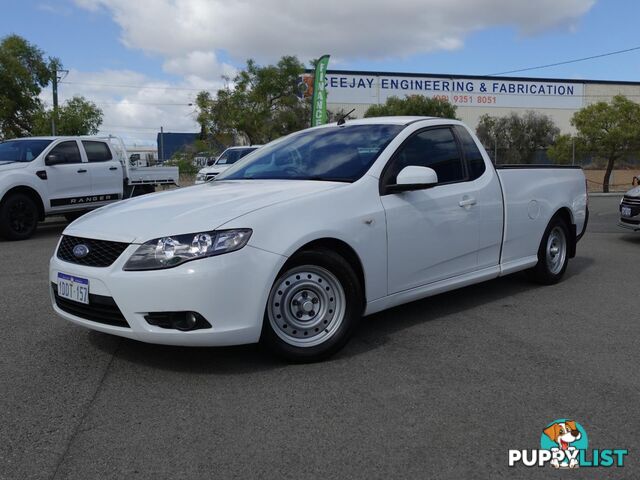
x: 21, y: 217
x: 306, y: 306
x: 556, y: 250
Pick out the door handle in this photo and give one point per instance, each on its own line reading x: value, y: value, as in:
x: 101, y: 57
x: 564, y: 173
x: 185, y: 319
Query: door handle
x: 467, y: 202
x: 113, y: 168
x: 82, y: 170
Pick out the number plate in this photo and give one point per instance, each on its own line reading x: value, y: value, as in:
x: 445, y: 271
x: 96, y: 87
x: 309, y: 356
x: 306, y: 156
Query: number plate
x: 73, y: 288
x: 626, y: 211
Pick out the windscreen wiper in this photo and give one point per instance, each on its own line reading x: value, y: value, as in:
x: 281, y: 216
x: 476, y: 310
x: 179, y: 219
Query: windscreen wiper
x: 327, y: 179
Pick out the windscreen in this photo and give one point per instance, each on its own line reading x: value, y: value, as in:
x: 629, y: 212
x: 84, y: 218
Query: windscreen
x: 229, y: 156
x: 21, y: 150
x: 342, y: 154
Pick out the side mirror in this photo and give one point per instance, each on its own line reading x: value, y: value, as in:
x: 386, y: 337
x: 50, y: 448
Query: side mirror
x: 414, y: 178
x: 210, y: 162
x: 53, y: 159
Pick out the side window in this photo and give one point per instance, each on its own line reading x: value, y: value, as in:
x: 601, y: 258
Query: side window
x: 435, y: 148
x: 67, y: 150
x: 472, y: 154
x: 97, y: 151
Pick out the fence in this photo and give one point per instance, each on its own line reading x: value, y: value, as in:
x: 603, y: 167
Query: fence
x: 623, y: 177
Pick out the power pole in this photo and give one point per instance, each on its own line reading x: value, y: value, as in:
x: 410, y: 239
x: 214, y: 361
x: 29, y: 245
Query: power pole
x: 58, y: 75
x: 54, y: 87
x: 161, y: 145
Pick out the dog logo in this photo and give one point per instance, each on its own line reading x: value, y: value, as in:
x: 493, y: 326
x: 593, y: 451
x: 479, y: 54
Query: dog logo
x: 80, y: 251
x: 565, y: 436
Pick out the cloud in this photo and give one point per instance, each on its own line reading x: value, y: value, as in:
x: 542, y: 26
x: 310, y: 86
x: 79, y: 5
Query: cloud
x: 54, y: 9
x: 190, y: 36
x: 199, y: 64
x: 373, y: 29
x: 134, y: 105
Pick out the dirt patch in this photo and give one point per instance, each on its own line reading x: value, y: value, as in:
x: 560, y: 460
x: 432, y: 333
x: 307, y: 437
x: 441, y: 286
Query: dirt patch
x: 621, y: 180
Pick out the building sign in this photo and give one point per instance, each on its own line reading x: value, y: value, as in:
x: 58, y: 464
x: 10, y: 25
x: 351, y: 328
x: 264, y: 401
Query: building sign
x: 463, y: 92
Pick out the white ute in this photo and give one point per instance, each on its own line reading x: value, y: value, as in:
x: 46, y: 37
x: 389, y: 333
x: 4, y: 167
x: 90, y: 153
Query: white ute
x: 42, y: 176
x: 296, y: 242
x: 227, y: 158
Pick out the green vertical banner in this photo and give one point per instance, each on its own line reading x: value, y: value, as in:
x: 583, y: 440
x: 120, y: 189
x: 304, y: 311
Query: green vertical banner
x: 319, y: 99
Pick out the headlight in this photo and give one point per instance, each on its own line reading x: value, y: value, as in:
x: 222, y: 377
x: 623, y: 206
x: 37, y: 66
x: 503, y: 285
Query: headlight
x: 168, y: 252
x: 200, y: 177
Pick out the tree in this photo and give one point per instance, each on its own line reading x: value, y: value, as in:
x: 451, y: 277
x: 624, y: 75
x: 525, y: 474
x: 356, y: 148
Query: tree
x: 413, y: 105
x: 76, y: 116
x: 23, y: 74
x: 610, y: 131
x: 261, y: 104
x: 517, y: 136
x: 566, y: 149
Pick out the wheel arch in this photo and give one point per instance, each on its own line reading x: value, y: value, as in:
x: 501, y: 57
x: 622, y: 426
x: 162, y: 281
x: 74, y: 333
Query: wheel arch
x: 343, y: 249
x: 29, y: 191
x: 567, y: 216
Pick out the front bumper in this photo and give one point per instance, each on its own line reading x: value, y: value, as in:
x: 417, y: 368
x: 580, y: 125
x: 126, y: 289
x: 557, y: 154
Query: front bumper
x: 230, y: 291
x: 631, y: 221
x: 629, y: 226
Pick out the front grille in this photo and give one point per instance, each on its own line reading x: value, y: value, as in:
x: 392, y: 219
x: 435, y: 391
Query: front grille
x: 100, y: 309
x: 102, y: 253
x: 211, y: 176
x: 633, y: 201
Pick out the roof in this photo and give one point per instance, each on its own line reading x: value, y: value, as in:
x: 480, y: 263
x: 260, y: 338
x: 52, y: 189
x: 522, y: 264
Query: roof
x: 478, y: 77
x: 66, y: 137
x: 49, y: 138
x: 392, y: 120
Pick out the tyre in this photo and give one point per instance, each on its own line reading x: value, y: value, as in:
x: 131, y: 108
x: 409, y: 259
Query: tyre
x: 138, y: 190
x: 553, y: 254
x: 71, y: 216
x: 313, y: 308
x: 18, y: 217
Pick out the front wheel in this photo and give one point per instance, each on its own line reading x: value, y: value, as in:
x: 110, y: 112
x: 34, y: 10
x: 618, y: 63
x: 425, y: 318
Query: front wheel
x: 313, y: 307
x: 553, y: 254
x: 18, y: 217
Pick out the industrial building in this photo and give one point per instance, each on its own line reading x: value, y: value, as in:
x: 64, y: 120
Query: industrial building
x: 474, y: 95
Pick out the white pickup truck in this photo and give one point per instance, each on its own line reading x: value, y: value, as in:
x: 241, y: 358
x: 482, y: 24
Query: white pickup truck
x: 41, y: 176
x: 294, y: 243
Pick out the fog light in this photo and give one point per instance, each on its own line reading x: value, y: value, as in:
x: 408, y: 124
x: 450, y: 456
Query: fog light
x: 183, y: 321
x: 187, y: 322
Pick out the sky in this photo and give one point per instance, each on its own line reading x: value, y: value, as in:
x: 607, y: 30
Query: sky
x: 143, y: 61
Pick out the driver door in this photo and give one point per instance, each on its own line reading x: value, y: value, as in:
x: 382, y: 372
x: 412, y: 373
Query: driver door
x: 70, y: 181
x: 432, y: 234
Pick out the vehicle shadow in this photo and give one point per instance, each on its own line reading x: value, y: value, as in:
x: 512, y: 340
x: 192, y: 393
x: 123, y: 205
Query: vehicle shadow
x: 204, y: 360
x: 48, y: 229
x: 378, y: 329
x: 635, y: 239
x: 374, y: 331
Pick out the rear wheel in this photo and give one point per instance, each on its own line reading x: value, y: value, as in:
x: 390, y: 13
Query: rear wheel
x: 553, y: 255
x: 313, y: 307
x: 18, y: 217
